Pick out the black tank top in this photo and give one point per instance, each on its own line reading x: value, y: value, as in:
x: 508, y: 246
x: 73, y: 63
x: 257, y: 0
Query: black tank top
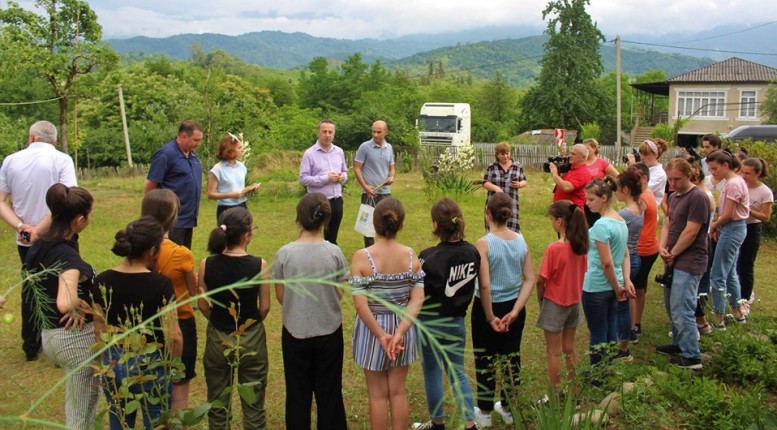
x: 222, y: 270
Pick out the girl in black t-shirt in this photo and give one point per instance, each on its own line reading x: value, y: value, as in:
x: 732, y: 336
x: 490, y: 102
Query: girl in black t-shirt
x: 238, y: 310
x: 68, y: 331
x: 134, y: 294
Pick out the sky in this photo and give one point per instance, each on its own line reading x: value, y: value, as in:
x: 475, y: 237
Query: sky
x: 356, y: 19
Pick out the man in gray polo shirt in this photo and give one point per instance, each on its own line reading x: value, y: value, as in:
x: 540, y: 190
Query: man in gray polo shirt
x: 374, y: 168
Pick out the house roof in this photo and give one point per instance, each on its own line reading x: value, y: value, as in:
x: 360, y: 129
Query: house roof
x: 732, y: 70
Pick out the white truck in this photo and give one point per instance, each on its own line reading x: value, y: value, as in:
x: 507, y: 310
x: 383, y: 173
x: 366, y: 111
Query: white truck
x: 446, y: 124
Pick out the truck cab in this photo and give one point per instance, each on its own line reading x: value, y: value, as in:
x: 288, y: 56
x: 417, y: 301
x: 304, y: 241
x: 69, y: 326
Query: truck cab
x: 446, y: 124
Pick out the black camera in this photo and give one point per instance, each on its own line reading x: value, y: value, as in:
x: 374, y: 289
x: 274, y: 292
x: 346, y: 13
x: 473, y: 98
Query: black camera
x: 666, y: 278
x: 693, y: 155
x: 562, y: 163
x: 637, y: 156
x: 25, y: 235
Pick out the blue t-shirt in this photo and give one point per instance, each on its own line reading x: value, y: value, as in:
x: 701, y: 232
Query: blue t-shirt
x: 505, y: 267
x: 231, y: 178
x: 172, y: 170
x: 377, y: 162
x: 615, y: 234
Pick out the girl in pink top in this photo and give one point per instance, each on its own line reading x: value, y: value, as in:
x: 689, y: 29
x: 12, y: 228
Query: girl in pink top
x: 761, y: 200
x: 560, y: 286
x: 729, y: 230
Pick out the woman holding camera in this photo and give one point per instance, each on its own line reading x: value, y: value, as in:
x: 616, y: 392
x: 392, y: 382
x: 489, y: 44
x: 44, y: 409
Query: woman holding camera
x: 505, y: 176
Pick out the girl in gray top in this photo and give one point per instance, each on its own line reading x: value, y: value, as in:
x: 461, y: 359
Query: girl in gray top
x: 312, y: 339
x: 629, y: 191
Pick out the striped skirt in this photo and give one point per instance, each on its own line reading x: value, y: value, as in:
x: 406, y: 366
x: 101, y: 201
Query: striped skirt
x: 368, y: 353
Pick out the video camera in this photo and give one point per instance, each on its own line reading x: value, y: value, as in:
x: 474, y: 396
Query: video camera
x: 666, y: 278
x: 693, y: 155
x: 562, y: 163
x: 637, y: 156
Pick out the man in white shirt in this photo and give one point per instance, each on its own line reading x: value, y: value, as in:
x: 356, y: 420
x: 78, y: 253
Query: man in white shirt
x: 25, y: 177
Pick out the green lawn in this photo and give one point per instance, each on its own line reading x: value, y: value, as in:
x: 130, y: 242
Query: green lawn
x: 118, y: 201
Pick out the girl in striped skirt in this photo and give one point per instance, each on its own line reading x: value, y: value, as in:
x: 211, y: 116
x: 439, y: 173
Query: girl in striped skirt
x: 388, y: 293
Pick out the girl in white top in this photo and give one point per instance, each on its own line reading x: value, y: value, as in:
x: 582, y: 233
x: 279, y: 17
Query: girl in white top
x: 651, y: 151
x: 227, y: 179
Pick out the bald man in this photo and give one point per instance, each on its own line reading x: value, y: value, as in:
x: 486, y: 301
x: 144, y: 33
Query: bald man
x: 374, y: 168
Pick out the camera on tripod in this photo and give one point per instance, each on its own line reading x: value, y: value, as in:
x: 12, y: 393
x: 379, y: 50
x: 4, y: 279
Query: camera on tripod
x: 637, y: 156
x: 562, y: 163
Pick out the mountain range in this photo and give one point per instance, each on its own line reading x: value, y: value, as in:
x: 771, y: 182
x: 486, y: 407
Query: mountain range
x: 513, y: 51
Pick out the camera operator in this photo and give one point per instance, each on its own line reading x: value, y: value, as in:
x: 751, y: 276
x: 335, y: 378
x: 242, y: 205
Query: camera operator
x: 683, y: 247
x: 571, y: 186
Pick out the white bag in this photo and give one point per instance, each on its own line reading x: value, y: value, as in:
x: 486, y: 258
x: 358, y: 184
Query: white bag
x: 364, y: 221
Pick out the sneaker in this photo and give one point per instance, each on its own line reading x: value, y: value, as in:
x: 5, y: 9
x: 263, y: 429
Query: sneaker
x: 671, y: 334
x: 686, y: 363
x: 668, y: 349
x: 633, y: 337
x: 624, y: 356
x: 429, y: 425
x: 721, y: 326
x: 507, y: 417
x: 544, y: 401
x: 705, y: 329
x: 751, y: 300
x: 638, y: 329
x: 482, y: 419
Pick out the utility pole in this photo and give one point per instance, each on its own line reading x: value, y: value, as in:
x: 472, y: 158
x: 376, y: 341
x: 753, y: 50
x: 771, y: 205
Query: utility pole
x: 124, y: 127
x: 618, y: 92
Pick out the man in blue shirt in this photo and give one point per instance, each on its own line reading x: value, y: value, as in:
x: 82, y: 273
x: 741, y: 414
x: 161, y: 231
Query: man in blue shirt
x: 176, y: 167
x: 373, y: 166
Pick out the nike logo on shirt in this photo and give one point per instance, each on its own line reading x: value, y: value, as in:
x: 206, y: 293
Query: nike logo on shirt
x: 467, y: 271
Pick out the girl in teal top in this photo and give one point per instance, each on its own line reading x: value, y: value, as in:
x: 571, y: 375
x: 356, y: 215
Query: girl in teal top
x: 607, y: 279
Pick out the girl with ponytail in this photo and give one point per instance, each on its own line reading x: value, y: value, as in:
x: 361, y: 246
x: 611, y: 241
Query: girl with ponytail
x: 560, y: 286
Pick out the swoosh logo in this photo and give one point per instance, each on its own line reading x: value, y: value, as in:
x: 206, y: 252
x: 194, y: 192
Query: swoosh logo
x: 450, y: 290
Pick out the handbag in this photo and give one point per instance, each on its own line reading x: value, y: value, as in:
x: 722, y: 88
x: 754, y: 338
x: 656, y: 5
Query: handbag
x: 364, y: 220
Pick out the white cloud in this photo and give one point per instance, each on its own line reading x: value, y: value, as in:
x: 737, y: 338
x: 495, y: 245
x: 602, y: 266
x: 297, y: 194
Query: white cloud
x: 355, y: 19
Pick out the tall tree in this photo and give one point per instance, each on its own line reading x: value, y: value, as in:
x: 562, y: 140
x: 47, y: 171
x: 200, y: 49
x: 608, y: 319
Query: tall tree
x: 62, y: 43
x: 565, y: 95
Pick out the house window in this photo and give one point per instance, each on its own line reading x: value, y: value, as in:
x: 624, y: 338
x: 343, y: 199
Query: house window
x: 701, y: 104
x: 747, y: 104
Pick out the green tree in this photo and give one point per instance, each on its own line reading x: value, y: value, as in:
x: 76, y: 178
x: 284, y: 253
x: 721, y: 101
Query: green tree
x: 769, y: 105
x: 62, y: 44
x: 565, y: 95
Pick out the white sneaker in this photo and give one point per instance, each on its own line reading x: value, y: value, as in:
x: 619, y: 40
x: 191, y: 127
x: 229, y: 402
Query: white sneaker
x: 507, y: 417
x: 482, y: 419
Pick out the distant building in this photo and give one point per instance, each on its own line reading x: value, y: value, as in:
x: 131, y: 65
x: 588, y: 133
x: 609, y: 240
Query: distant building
x: 715, y: 98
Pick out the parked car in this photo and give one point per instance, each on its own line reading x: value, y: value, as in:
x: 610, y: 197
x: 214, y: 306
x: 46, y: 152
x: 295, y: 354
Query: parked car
x: 767, y: 133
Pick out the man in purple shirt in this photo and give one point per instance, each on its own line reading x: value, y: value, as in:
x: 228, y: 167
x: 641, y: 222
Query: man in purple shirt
x: 323, y: 170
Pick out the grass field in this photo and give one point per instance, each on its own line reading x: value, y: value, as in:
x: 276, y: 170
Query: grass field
x: 118, y: 202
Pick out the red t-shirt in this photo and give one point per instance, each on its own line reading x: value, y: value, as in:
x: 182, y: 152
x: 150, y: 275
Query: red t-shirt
x: 564, y: 272
x: 579, y: 177
x: 599, y: 168
x: 648, y: 242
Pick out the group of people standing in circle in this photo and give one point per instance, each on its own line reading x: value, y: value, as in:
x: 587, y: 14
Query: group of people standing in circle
x: 407, y: 305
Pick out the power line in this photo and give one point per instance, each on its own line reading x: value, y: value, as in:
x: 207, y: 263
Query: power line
x: 726, y: 34
x: 699, y: 49
x: 32, y: 102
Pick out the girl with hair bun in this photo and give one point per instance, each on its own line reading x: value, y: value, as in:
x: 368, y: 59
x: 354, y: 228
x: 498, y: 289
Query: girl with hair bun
x: 388, y: 291
x: 499, y: 312
x: 560, y: 286
x: 67, y: 327
x: 761, y: 201
x: 230, y: 309
x: 177, y: 263
x: 607, y: 280
x: 134, y: 293
x: 451, y: 268
x: 312, y: 336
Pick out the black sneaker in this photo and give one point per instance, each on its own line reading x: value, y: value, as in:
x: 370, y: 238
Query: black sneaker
x: 624, y: 356
x: 633, y: 337
x: 668, y: 349
x: 638, y: 329
x: 686, y: 363
x: 429, y: 425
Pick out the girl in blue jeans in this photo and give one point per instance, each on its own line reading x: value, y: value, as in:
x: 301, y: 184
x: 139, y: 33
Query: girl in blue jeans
x: 451, y: 269
x: 729, y: 230
x: 607, y: 279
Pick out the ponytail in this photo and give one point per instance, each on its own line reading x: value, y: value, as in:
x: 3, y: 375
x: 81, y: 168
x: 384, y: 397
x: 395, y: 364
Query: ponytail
x: 575, y: 224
